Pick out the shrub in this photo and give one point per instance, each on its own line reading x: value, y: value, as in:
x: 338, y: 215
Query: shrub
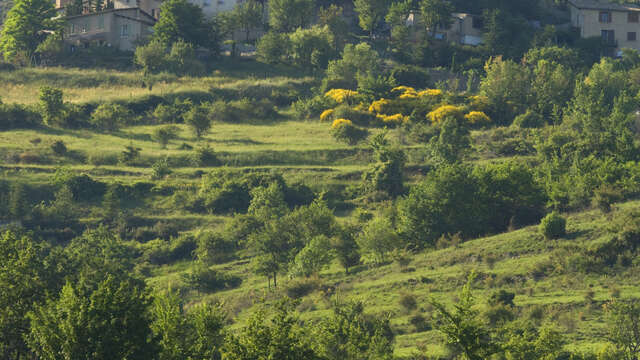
x: 172, y: 113
x: 164, y: 134
x: 377, y: 240
x: 344, y: 130
x: 312, y: 47
x: 394, y: 120
x: 160, y: 169
x: 311, y: 107
x: 341, y: 96
x: 204, y: 155
x: 326, y: 115
x: 357, y: 116
x: 477, y: 118
x: 301, y: 287
x: 59, y: 148
x: 18, y: 116
x: 502, y: 297
x: 151, y: 57
x: 408, y: 301
x: 272, y: 47
x: 213, y: 248
x: 420, y: 323
x: 529, y: 119
x: 83, y: 187
x: 52, y: 105
x: 409, y: 75
x: 129, y: 154
x: 205, y: 279
x: 182, y: 59
x: 438, y: 115
x: 553, y: 226
x: 198, y: 119
x: 110, y: 116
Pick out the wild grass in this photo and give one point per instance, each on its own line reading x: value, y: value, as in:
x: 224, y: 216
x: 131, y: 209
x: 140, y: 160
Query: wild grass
x: 98, y: 85
x: 440, y: 274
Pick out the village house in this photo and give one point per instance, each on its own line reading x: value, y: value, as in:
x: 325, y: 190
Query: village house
x: 465, y: 29
x: 618, y: 25
x: 121, y: 25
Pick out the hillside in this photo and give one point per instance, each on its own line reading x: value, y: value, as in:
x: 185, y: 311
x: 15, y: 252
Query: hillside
x: 308, y: 180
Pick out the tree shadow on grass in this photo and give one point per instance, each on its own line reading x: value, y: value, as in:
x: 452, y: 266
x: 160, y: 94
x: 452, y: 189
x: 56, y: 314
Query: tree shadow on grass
x: 576, y: 235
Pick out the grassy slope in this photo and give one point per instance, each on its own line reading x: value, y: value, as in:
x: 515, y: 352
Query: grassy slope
x: 299, y: 151
x: 560, y: 297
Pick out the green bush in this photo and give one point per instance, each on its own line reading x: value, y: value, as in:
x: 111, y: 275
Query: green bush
x: 59, y: 148
x: 213, y: 248
x: 305, y: 109
x: 16, y: 116
x: 553, y: 226
x: 529, y: 119
x: 273, y: 47
x: 312, y: 47
x: 204, y: 155
x: 164, y: 134
x: 358, y: 117
x: 110, y: 117
x: 160, y: 169
x: 301, y: 287
x: 413, y: 76
x: 199, y: 120
x: 349, y: 133
x: 204, y: 279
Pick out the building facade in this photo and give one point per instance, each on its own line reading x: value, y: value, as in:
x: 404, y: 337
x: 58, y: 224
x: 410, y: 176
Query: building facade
x: 465, y: 29
x: 121, y: 25
x: 618, y: 25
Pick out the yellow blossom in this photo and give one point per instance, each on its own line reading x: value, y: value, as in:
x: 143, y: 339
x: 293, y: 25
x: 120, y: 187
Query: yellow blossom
x: 326, y: 114
x: 443, y: 112
x: 430, y: 92
x: 378, y: 106
x: 396, y: 119
x: 477, y: 117
x: 340, y: 122
x: 341, y: 95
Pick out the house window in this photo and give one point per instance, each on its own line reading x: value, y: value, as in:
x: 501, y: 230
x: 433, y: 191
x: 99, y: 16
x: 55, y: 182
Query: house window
x: 124, y: 31
x: 153, y: 12
x: 608, y: 37
x: 100, y: 22
x: 605, y: 17
x: 633, y: 17
x: 73, y: 28
x: 85, y: 27
x: 631, y: 36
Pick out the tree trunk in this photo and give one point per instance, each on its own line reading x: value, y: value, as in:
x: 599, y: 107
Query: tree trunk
x: 275, y: 284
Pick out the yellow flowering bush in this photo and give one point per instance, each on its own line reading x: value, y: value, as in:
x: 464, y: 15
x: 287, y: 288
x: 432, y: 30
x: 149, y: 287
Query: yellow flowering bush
x: 443, y: 112
x: 326, y: 114
x: 478, y: 103
x: 341, y: 95
x: 340, y: 122
x: 477, y: 118
x: 409, y: 95
x: 379, y: 106
x: 430, y: 92
x: 405, y: 92
x: 361, y: 107
x: 397, y: 119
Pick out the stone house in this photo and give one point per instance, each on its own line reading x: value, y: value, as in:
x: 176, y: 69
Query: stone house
x: 121, y: 26
x: 618, y: 25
